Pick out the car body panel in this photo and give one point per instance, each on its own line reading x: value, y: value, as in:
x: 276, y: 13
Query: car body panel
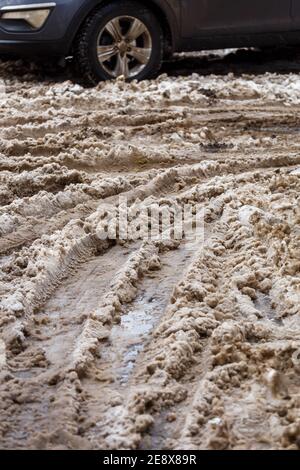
x: 203, y: 17
x: 295, y: 14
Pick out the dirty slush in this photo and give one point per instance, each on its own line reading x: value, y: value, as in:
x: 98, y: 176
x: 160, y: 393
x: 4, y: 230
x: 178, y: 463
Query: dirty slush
x: 142, y: 344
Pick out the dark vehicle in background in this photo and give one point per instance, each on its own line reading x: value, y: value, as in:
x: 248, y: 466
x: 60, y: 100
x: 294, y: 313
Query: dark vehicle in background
x: 109, y: 38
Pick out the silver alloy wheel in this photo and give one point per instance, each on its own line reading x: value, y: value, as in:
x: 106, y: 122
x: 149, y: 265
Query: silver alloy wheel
x: 124, y: 47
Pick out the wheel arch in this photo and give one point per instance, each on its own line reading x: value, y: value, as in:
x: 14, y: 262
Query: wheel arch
x: 161, y: 8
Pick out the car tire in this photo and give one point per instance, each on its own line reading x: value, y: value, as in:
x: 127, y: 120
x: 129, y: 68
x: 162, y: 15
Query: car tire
x: 109, y: 44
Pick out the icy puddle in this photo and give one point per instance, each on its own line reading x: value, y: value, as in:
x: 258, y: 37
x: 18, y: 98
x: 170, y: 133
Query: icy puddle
x: 128, y: 338
x: 132, y: 333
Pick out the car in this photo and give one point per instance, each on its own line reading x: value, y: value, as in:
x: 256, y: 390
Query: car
x: 131, y: 38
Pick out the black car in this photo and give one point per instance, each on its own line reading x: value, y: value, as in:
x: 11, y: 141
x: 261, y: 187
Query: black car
x: 109, y: 38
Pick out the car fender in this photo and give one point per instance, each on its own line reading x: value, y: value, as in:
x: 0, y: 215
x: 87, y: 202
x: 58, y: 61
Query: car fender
x: 170, y: 9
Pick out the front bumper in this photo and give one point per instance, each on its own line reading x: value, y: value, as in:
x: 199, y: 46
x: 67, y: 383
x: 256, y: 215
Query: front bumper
x: 33, y: 34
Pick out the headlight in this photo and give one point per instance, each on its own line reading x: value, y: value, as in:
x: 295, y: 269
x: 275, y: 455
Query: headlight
x: 35, y: 15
